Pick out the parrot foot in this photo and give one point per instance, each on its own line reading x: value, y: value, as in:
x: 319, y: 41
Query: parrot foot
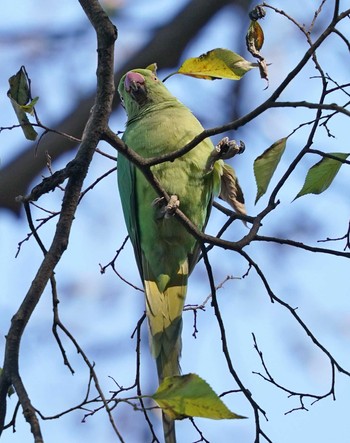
x: 225, y: 149
x: 166, y: 210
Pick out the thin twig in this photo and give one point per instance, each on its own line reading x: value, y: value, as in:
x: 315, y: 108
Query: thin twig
x: 256, y: 408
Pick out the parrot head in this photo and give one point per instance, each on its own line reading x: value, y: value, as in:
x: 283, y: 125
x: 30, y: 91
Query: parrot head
x: 135, y: 86
x: 140, y: 89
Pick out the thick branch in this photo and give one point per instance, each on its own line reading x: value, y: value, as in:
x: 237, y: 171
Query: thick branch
x: 106, y: 35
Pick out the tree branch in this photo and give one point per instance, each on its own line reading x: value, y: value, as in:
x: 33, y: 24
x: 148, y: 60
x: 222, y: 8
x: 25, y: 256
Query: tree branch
x: 97, y: 123
x: 300, y: 245
x: 256, y: 408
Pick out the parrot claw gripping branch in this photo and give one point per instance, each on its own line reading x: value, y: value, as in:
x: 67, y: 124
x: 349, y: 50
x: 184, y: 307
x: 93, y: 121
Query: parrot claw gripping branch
x: 166, y: 253
x: 165, y: 209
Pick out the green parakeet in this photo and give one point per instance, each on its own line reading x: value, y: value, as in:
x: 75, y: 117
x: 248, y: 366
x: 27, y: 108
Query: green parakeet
x: 165, y: 251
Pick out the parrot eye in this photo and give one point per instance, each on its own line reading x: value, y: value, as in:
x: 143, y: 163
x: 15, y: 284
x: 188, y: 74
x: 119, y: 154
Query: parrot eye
x: 122, y: 100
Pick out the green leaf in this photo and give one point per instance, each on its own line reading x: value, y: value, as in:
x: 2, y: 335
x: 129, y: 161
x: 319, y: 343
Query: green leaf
x: 19, y: 95
x: 29, y: 108
x: 321, y: 175
x: 19, y: 87
x: 266, y: 164
x: 215, y: 64
x: 189, y: 395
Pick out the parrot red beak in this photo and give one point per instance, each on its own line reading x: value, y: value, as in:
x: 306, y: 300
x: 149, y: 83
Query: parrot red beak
x: 135, y: 85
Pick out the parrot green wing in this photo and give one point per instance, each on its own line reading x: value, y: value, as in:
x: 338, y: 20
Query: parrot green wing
x: 126, y: 185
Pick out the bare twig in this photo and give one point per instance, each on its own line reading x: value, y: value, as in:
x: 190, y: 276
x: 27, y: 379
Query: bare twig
x: 301, y: 395
x: 256, y: 408
x: 346, y: 237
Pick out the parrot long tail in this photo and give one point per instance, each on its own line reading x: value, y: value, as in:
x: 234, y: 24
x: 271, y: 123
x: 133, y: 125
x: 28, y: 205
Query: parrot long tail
x: 165, y: 299
x: 169, y: 429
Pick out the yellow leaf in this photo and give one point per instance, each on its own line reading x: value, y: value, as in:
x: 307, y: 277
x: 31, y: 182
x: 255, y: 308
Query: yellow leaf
x: 216, y: 64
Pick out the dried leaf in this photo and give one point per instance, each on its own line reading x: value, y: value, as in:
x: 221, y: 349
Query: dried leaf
x: 231, y: 191
x: 255, y: 37
x: 257, y: 13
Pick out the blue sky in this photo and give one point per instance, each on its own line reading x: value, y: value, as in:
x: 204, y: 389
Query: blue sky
x: 102, y: 311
